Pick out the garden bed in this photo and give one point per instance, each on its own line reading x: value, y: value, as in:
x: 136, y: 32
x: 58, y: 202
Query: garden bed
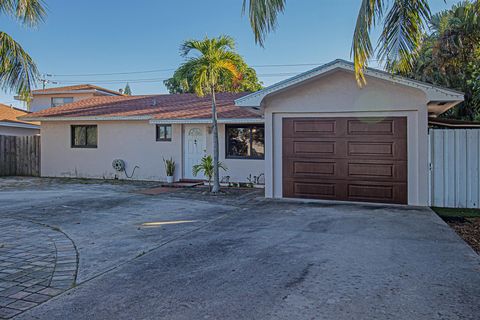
x: 465, y: 222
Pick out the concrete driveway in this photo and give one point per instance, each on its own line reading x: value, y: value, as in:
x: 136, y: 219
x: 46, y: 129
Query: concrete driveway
x: 187, y: 255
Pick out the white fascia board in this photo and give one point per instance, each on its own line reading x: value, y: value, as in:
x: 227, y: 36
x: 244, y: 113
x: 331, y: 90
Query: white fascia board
x: 73, y: 92
x: 152, y: 121
x: 206, y: 121
x: 97, y: 118
x: 18, y: 125
x: 65, y: 92
x: 434, y: 93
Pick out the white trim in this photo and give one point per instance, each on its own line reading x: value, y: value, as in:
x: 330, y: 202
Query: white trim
x: 18, y: 125
x: 47, y: 119
x: 152, y: 121
x: 64, y: 92
x: 207, y: 121
x: 70, y: 92
x: 76, y: 92
x: 434, y: 93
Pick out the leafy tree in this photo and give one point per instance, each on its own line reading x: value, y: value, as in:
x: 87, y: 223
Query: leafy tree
x: 18, y: 71
x: 127, y: 91
x: 450, y: 56
x: 214, y: 60
x: 403, y: 24
x: 182, y: 82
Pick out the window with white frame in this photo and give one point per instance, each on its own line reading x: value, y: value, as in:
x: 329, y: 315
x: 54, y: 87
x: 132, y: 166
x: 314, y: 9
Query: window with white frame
x: 58, y: 101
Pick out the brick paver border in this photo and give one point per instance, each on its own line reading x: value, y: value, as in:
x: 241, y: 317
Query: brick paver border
x: 31, y: 272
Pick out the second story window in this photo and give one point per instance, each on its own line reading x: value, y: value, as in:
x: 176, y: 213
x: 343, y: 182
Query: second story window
x: 60, y: 101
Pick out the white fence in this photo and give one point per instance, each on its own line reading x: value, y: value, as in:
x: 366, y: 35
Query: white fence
x: 454, y: 168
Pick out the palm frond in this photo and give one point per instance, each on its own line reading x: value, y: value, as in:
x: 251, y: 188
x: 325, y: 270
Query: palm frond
x: 18, y: 72
x: 402, y: 34
x: 362, y: 49
x: 28, y: 12
x: 263, y: 16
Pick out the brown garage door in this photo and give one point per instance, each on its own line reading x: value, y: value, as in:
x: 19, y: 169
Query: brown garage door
x: 347, y: 159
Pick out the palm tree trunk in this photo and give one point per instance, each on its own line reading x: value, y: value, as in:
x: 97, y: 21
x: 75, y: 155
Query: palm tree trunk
x: 216, y: 171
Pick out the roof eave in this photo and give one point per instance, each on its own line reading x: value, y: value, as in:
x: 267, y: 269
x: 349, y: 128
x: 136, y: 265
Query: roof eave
x: 86, y: 118
x: 207, y: 121
x: 141, y: 118
x: 16, y: 124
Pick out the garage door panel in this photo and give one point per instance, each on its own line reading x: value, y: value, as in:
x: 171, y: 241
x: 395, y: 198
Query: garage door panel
x: 344, y: 127
x: 295, y: 147
x: 377, y: 149
x: 371, y: 191
x: 313, y: 127
x: 345, y: 148
x: 329, y: 190
x: 390, y: 127
x: 376, y: 192
x: 376, y: 170
x: 345, y: 159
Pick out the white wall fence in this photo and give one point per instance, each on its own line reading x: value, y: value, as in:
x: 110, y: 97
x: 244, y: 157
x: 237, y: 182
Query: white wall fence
x: 454, y: 168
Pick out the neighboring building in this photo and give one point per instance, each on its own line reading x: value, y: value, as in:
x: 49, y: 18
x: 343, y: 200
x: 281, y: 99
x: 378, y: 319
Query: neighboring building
x: 317, y: 135
x: 11, y: 126
x: 55, y: 97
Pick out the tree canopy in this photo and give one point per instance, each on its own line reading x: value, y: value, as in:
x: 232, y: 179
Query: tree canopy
x: 449, y: 56
x: 184, y: 79
x: 127, y: 91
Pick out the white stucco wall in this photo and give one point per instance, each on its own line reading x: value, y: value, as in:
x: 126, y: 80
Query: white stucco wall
x: 132, y: 141
x: 338, y: 95
x: 44, y: 101
x: 135, y: 143
x: 15, y: 131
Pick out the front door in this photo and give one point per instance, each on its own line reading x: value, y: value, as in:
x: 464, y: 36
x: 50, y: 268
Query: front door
x: 195, y: 145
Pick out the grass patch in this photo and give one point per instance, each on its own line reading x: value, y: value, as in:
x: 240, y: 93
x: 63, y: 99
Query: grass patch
x: 457, y: 212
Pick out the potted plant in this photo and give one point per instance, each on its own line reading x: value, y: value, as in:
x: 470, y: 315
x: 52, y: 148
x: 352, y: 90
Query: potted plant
x: 206, y: 166
x: 169, y: 169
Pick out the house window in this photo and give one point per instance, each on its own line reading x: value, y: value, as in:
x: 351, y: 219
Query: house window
x: 245, y: 141
x: 84, y: 136
x: 56, y: 102
x: 164, y: 132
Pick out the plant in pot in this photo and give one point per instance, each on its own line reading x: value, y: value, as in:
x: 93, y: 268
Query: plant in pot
x: 169, y: 169
x: 206, y: 167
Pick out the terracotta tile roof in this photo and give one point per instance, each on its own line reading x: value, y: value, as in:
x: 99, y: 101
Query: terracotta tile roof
x: 79, y: 87
x: 164, y: 107
x: 10, y: 114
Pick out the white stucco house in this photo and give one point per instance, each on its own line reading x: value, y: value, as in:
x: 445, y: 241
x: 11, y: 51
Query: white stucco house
x: 317, y: 135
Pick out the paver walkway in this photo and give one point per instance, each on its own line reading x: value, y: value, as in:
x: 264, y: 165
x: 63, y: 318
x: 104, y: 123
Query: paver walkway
x: 36, y: 263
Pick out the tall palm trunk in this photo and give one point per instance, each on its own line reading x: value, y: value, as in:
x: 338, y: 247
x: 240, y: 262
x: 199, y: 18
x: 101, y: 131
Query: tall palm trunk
x: 216, y: 171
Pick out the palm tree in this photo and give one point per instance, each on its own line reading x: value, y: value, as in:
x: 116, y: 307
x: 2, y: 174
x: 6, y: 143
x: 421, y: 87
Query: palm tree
x: 18, y: 71
x: 403, y: 25
x: 215, y: 58
x: 207, y: 168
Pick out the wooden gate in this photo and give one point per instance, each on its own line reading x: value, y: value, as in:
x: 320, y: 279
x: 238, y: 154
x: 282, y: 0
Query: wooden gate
x: 20, y: 156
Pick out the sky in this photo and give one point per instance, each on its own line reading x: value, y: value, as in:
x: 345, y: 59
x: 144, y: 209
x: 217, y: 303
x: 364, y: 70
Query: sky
x: 81, y: 39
